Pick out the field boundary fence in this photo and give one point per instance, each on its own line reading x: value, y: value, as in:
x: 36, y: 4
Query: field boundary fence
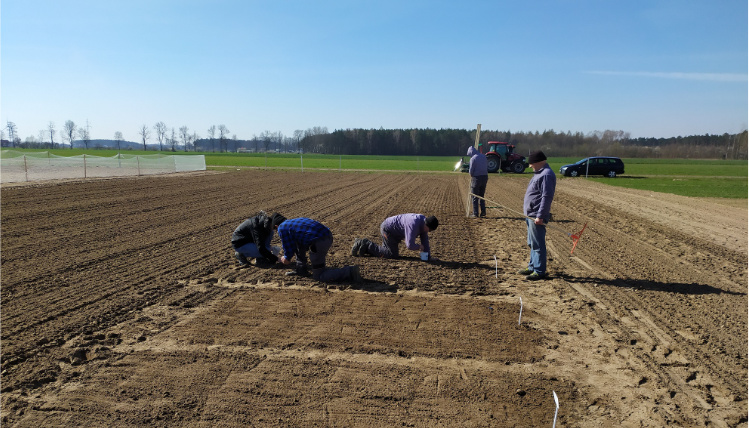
x: 18, y: 166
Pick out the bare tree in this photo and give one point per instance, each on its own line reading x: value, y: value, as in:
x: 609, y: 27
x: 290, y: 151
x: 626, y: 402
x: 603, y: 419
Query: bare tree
x: 118, y: 140
x: 222, y: 133
x: 68, y: 132
x: 41, y: 134
x: 298, y: 135
x: 212, y: 135
x: 160, y: 129
x: 278, y: 138
x: 195, y: 137
x: 83, y: 134
x: 12, y: 131
x: 173, y: 140
x: 145, y: 134
x: 51, y: 130
x: 265, y: 137
x: 184, y: 135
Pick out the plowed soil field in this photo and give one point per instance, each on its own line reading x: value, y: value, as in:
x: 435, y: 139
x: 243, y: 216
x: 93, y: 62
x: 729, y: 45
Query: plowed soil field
x: 122, y: 306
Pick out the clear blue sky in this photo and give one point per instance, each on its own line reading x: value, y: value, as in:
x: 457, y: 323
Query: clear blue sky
x: 651, y: 68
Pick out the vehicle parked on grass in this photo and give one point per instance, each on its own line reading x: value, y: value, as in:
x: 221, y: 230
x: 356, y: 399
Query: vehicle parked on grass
x: 608, y: 166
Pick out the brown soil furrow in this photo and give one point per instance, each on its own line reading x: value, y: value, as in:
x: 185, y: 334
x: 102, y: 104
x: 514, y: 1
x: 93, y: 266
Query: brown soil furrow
x: 122, y: 305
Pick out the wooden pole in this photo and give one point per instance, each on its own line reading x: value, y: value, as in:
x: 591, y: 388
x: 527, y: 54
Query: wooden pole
x: 478, y: 135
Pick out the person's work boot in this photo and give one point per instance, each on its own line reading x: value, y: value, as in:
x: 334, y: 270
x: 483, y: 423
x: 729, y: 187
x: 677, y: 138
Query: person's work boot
x: 535, y: 276
x: 356, y: 247
x: 355, y: 274
x: 363, y: 247
x: 526, y: 271
x: 241, y: 259
x: 262, y: 262
x: 298, y: 272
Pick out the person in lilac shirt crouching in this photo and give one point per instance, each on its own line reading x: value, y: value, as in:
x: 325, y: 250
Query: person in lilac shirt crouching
x: 401, y: 227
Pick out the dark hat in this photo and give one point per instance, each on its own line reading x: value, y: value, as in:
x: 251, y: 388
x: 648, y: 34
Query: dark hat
x: 537, y: 156
x: 432, y: 222
x: 277, y: 219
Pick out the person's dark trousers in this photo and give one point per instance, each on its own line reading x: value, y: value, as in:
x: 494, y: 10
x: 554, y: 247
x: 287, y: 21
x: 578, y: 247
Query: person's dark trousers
x: 388, y: 249
x: 478, y: 187
x: 318, y: 250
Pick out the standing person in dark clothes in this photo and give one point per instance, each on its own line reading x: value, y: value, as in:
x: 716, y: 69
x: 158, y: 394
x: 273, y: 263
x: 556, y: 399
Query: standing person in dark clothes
x: 401, y: 227
x: 479, y: 170
x: 536, y: 206
x: 300, y: 235
x: 252, y: 239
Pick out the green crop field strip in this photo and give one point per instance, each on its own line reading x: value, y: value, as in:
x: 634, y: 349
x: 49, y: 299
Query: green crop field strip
x: 686, y: 177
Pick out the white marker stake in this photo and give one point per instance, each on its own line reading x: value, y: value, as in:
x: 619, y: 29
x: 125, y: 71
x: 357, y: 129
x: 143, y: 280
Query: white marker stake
x: 496, y: 274
x: 521, y: 310
x: 556, y: 400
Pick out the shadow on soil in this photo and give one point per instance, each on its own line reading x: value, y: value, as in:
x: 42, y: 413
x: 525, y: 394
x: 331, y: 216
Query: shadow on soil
x: 449, y: 263
x: 374, y: 286
x: 640, y: 284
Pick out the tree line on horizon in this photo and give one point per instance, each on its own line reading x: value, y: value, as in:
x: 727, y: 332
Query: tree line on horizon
x: 449, y: 142
x: 399, y: 142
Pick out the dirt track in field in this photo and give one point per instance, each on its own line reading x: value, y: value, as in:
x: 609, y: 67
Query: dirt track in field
x: 121, y: 306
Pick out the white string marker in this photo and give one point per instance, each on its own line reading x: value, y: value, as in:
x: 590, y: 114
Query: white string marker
x: 521, y: 310
x: 496, y: 274
x: 556, y: 400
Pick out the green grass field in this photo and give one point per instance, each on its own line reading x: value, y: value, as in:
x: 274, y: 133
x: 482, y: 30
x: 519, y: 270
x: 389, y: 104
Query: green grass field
x: 687, y: 177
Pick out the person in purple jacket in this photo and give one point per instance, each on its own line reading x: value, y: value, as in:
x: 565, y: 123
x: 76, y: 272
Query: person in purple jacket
x: 401, y: 227
x: 536, y: 206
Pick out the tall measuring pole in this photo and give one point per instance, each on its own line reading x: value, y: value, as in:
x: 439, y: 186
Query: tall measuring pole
x: 478, y: 134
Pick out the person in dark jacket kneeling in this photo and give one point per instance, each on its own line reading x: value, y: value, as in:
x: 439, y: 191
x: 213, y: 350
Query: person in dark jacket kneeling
x: 251, y: 239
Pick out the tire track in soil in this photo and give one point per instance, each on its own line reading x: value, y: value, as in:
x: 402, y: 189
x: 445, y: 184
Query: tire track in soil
x: 639, y: 277
x: 623, y: 282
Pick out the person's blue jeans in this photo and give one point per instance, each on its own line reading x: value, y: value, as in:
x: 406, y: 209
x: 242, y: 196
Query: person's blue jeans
x: 251, y: 250
x: 537, y: 244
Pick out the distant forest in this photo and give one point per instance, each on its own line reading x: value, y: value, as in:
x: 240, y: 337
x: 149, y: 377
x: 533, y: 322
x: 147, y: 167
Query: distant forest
x: 443, y: 142
x: 456, y: 141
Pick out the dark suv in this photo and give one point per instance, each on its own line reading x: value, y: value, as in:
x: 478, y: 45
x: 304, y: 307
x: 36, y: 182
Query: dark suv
x: 596, y: 165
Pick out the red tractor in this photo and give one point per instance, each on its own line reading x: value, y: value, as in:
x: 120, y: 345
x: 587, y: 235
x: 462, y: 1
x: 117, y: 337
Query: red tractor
x: 499, y: 156
x: 502, y: 155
